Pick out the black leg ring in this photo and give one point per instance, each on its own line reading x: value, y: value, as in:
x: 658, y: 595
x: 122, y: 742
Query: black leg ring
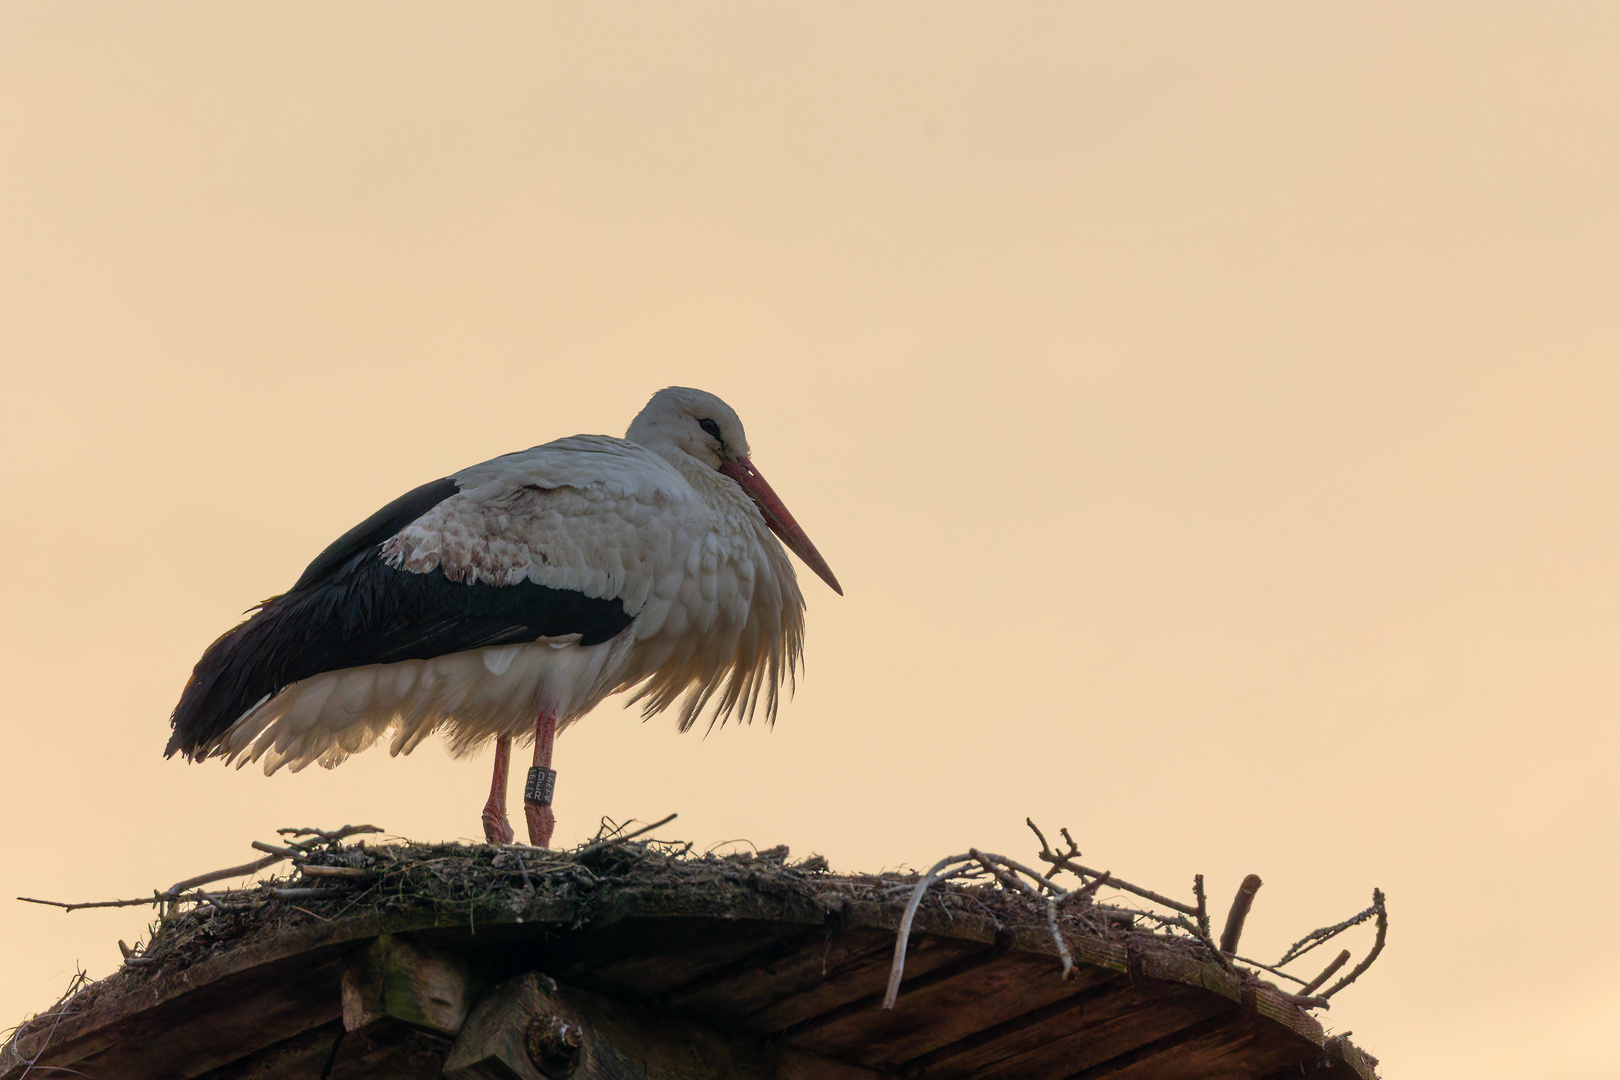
x: 542, y: 784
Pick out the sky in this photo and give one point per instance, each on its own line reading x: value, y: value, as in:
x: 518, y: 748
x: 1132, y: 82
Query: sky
x: 1209, y: 411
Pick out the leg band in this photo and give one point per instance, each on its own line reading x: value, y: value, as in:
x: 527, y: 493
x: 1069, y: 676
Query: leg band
x: 542, y: 783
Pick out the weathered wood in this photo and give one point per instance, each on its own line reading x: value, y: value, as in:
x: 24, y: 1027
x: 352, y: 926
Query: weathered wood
x: 1011, y: 1037
x: 1172, y: 967
x: 386, y: 1049
x: 702, y: 946
x: 1107, y: 1026
x: 763, y: 979
x: 300, y: 955
x: 303, y: 1055
x: 859, y: 981
x: 948, y: 1005
x: 531, y: 1029
x: 493, y: 1042
x: 223, y: 1022
x: 417, y: 984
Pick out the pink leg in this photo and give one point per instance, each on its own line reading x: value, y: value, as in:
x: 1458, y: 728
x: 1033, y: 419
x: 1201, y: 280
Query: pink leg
x: 542, y: 821
x: 497, y: 829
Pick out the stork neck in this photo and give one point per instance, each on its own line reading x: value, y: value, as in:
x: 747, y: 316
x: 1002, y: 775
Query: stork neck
x: 714, y: 488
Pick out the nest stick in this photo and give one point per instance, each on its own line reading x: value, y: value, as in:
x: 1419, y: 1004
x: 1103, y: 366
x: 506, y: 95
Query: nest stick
x: 1378, y: 947
x: 1239, y: 913
x: 1147, y: 894
x: 219, y: 875
x: 903, y: 935
x: 1327, y: 972
x: 1057, y: 936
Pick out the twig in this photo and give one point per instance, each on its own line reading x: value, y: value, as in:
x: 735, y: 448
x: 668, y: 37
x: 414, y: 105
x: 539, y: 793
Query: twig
x: 903, y: 935
x: 1326, y: 933
x: 174, y: 892
x: 219, y: 875
x: 1009, y: 881
x: 1327, y: 972
x: 588, y: 848
x: 1203, y: 905
x: 335, y: 834
x: 1267, y: 967
x: 1304, y: 1001
x: 1147, y: 894
x: 1031, y: 872
x: 350, y: 872
x: 1096, y: 883
x: 310, y: 913
x: 1036, y: 829
x: 1240, y: 912
x: 284, y: 852
x: 305, y: 894
x: 1057, y: 936
x: 1378, y: 947
x: 155, y: 898
x: 1016, y: 884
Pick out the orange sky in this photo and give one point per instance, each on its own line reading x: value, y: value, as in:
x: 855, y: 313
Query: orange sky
x: 1208, y: 409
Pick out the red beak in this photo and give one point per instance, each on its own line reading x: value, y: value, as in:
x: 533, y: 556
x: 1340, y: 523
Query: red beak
x: 777, y: 517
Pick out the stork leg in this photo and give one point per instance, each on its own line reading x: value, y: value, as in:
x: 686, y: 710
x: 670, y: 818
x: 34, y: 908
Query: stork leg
x: 497, y: 828
x: 537, y: 792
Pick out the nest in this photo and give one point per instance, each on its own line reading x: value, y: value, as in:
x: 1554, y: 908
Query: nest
x: 401, y: 882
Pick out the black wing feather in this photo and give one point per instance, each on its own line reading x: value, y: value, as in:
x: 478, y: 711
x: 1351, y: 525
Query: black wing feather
x: 355, y: 610
x: 376, y: 528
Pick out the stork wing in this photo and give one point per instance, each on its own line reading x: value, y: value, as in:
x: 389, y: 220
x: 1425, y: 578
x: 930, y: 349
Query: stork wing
x: 543, y: 543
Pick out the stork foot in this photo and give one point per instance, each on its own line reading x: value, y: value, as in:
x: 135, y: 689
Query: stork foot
x: 497, y: 827
x: 542, y: 823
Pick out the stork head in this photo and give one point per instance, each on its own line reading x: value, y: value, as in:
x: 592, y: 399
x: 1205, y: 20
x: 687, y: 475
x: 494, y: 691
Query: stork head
x: 680, y: 422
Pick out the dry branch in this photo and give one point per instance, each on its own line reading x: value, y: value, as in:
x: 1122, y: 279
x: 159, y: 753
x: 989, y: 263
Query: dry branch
x: 588, y: 848
x: 1326, y: 933
x: 353, y: 872
x: 902, y: 936
x: 1378, y: 947
x: 220, y: 875
x: 1066, y: 862
x: 1327, y: 972
x: 324, y: 836
x: 1240, y: 912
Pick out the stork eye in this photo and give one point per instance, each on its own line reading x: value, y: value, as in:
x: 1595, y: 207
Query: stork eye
x: 710, y: 427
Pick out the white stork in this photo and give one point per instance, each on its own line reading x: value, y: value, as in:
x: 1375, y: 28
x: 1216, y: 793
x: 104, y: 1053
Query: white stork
x: 511, y: 597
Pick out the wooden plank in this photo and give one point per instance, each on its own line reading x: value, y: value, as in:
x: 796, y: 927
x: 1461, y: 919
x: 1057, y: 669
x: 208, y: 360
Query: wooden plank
x: 1034, y: 1028
x: 217, y: 1025
x: 1273, y: 1006
x: 785, y: 969
x: 508, y: 1034
x: 857, y: 983
x: 947, y: 1005
x: 302, y: 1056
x: 652, y: 957
x: 1191, y: 971
x: 1231, y: 1046
x: 131, y: 1002
x: 407, y: 981
x: 1105, y: 1027
x: 1166, y: 1057
x: 386, y: 1048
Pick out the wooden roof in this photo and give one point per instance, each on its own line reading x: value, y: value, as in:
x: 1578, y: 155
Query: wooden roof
x: 787, y: 970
